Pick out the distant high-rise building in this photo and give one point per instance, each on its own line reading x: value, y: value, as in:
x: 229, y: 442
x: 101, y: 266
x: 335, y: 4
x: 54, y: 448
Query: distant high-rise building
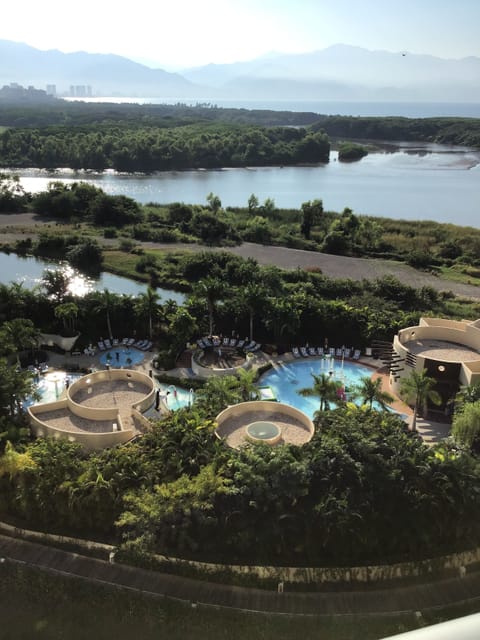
x: 51, y: 90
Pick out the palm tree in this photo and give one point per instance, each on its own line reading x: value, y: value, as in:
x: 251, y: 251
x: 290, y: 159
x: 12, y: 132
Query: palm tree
x: 253, y: 297
x: 211, y: 289
x: 67, y: 312
x: 146, y: 305
x: 217, y: 393
x: 246, y: 384
x: 417, y: 389
x: 105, y: 303
x: 324, y: 387
x: 370, y: 391
x: 17, y: 335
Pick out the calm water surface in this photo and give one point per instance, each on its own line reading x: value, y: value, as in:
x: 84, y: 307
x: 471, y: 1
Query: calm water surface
x: 30, y: 270
x: 415, y: 182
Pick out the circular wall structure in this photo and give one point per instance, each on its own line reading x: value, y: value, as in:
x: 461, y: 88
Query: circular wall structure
x: 261, y: 421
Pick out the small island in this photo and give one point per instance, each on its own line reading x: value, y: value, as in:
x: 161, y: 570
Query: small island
x: 351, y: 151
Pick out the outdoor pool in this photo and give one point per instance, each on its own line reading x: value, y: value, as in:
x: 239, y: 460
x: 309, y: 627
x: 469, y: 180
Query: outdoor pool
x: 51, y: 386
x: 287, y: 378
x: 122, y: 357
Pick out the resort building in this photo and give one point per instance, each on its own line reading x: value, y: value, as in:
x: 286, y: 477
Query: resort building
x: 449, y: 350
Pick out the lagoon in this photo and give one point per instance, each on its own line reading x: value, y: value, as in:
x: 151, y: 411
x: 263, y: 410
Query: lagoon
x: 405, y: 180
x: 29, y: 271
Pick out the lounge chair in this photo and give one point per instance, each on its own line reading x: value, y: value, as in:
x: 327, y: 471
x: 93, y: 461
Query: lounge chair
x: 347, y: 353
x: 101, y: 345
x: 226, y: 342
x: 296, y: 352
x: 368, y: 351
x: 207, y: 342
x: 232, y: 342
x: 257, y: 347
x: 319, y: 351
x: 115, y: 342
x: 201, y: 343
x: 125, y: 341
x: 108, y: 344
x: 312, y: 351
x: 338, y: 353
x: 130, y: 342
x: 148, y: 345
x: 240, y: 344
x: 331, y: 351
x: 304, y: 352
x: 356, y: 354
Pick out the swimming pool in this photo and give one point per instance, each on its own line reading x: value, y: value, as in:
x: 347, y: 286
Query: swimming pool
x: 287, y: 378
x: 119, y: 357
x: 51, y: 385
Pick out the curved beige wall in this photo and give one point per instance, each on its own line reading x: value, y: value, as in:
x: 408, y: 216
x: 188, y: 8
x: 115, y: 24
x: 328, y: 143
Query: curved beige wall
x: 463, y: 333
x: 263, y: 406
x: 207, y: 372
x: 88, y: 440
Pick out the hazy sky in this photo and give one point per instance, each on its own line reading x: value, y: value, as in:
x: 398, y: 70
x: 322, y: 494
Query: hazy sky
x: 176, y: 33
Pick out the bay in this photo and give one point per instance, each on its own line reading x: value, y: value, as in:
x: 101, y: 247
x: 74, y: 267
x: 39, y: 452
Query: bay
x: 325, y: 107
x: 403, y: 181
x: 29, y: 271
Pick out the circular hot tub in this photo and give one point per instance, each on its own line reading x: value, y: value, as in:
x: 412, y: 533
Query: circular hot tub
x: 263, y: 431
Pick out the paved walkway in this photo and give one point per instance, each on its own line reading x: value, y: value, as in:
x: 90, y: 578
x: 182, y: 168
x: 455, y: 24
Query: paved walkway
x: 370, y: 600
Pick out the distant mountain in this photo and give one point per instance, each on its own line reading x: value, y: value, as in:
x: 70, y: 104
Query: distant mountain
x: 347, y: 73
x: 106, y: 74
x: 340, y: 72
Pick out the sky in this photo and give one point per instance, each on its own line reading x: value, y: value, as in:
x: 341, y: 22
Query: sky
x: 177, y: 34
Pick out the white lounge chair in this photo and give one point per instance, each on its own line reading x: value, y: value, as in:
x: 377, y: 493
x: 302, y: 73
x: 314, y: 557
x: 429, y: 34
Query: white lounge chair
x: 296, y: 352
x: 319, y: 351
x: 125, y: 341
x: 232, y: 342
x: 240, y: 344
x: 331, y: 351
x: 115, y: 342
x: 101, y: 345
x: 312, y: 351
x: 201, y: 343
x: 304, y: 352
x: 108, y: 344
x: 356, y: 354
x: 257, y: 347
x: 148, y: 345
x: 226, y: 342
x: 130, y: 342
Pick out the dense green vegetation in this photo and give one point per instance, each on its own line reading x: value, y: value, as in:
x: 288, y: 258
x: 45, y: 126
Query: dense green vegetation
x: 149, y: 148
x: 447, y: 130
x: 351, y: 151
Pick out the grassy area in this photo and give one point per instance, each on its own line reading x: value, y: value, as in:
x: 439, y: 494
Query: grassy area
x: 465, y: 274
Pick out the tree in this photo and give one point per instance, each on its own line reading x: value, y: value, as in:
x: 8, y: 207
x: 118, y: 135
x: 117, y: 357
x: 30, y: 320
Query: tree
x: 311, y: 213
x: 210, y: 289
x: 417, y: 389
x: 253, y: 297
x: 246, y: 384
x: 55, y: 282
x: 217, y: 393
x: 253, y: 203
x: 106, y: 303
x: 67, y: 312
x: 466, y: 426
x: 17, y: 335
x: 146, y: 306
x: 214, y: 202
x: 371, y: 391
x: 325, y: 388
x: 16, y: 386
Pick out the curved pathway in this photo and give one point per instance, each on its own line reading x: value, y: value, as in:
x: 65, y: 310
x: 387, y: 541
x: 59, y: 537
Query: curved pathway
x: 368, y: 601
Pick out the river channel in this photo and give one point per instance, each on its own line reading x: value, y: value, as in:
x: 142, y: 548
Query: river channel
x: 29, y: 271
x: 409, y: 181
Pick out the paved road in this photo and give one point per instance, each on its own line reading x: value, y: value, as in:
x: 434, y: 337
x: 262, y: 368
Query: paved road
x: 330, y: 265
x: 366, y: 601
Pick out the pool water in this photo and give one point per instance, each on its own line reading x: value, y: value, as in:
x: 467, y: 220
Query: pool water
x: 287, y: 378
x: 122, y: 357
x: 51, y: 385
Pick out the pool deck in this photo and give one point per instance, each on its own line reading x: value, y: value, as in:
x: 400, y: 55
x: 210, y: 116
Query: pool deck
x: 430, y: 431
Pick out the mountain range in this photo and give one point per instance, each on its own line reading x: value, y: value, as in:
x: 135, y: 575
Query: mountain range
x: 339, y: 72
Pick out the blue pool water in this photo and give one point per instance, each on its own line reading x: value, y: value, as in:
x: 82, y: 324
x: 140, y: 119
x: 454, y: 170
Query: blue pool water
x: 51, y: 386
x: 288, y: 378
x: 119, y: 357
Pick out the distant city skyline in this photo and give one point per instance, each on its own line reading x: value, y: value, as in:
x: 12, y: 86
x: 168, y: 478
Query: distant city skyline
x: 188, y: 33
